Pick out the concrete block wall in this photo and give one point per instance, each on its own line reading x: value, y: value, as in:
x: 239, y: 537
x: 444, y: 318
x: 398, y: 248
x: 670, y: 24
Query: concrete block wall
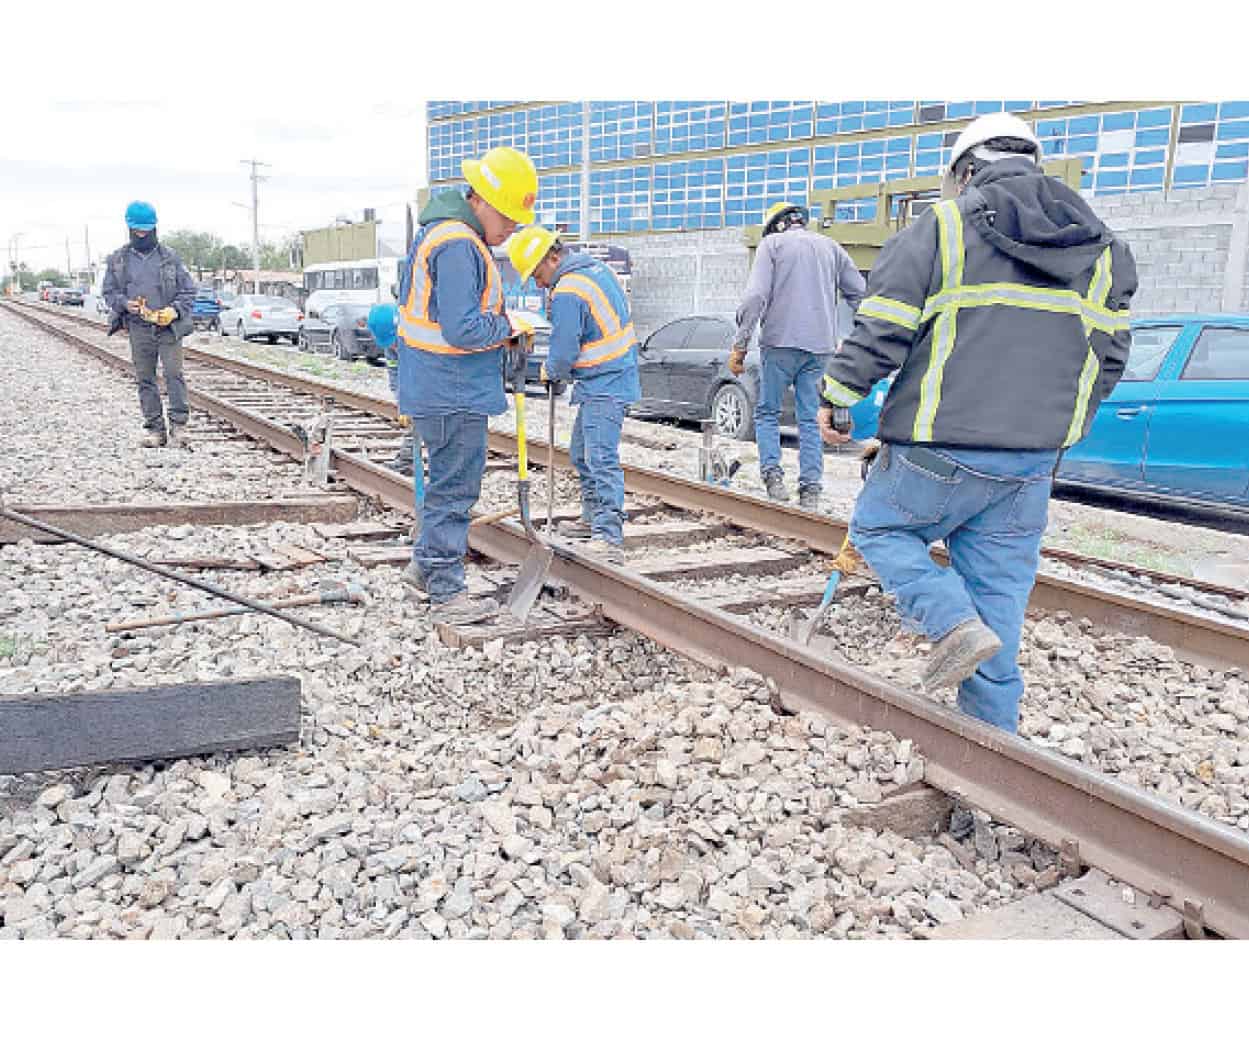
x: 1183, y: 243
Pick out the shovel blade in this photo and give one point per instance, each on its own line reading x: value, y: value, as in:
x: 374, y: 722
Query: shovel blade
x: 529, y: 581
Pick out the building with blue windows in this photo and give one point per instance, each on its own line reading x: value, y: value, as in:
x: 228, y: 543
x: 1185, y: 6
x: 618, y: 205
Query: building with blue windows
x: 665, y: 166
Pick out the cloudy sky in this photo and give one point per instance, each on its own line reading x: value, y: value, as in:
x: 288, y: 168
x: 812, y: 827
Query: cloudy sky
x: 102, y: 104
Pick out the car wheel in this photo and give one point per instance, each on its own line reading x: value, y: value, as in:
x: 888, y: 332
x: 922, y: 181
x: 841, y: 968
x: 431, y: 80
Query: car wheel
x: 337, y: 348
x: 242, y: 332
x: 301, y: 341
x: 732, y: 413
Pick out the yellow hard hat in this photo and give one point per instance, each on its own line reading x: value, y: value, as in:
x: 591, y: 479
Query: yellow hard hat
x: 779, y: 209
x: 528, y: 246
x: 506, y: 179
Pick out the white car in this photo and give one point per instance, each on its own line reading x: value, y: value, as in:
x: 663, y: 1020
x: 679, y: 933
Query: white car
x: 273, y: 317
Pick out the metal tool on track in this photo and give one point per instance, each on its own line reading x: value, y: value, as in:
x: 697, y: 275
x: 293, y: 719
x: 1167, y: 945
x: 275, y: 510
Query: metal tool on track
x: 164, y: 572
x: 536, y: 566
x: 349, y: 593
x: 550, y: 459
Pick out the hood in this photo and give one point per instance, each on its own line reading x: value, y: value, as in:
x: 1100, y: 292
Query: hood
x: 573, y: 262
x: 1035, y: 219
x: 450, y: 205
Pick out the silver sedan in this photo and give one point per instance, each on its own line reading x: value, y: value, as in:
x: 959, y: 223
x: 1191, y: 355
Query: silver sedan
x: 272, y: 317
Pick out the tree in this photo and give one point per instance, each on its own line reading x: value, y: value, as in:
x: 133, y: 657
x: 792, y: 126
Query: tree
x: 200, y: 250
x: 50, y: 274
x: 235, y: 259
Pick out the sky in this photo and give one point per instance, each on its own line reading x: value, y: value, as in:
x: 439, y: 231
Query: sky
x: 159, y: 101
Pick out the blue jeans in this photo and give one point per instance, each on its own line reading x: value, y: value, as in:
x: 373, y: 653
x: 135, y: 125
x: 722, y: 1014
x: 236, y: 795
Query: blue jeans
x: 781, y: 367
x: 457, y: 460
x: 991, y: 513
x: 595, y: 451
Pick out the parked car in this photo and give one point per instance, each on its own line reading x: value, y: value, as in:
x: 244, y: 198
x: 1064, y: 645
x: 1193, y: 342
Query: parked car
x: 684, y: 371
x: 70, y: 298
x: 341, y: 329
x: 1176, y: 428
x: 272, y: 317
x: 206, y: 309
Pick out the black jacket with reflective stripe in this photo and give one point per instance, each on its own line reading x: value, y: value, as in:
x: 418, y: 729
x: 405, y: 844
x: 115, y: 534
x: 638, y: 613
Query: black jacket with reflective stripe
x: 1004, y: 312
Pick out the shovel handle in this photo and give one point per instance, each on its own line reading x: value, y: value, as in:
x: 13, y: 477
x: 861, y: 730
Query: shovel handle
x: 489, y: 518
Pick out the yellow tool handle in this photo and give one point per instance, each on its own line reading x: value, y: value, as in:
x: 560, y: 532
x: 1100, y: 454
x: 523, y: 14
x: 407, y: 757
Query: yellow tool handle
x: 521, y: 452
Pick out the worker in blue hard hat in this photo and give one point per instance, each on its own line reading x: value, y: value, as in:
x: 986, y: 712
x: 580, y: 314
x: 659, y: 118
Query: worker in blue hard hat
x: 151, y: 294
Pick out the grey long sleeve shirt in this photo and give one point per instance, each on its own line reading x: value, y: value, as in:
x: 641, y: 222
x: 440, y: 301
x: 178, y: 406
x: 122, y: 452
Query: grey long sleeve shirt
x: 793, y: 289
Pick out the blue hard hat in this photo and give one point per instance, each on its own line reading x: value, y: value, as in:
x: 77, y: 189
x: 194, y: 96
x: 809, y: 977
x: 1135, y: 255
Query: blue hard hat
x: 383, y: 323
x: 141, y: 216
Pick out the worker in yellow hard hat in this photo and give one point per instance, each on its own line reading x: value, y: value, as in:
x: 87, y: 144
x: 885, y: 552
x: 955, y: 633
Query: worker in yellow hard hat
x: 452, y: 326
x: 594, y: 345
x: 793, y: 292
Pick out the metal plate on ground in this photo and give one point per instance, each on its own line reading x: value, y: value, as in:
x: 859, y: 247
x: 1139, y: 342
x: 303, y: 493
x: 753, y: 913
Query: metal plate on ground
x: 1099, y: 897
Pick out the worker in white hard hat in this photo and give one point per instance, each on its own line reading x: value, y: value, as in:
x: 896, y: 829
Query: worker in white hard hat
x: 1004, y: 311
x: 452, y: 331
x: 796, y: 282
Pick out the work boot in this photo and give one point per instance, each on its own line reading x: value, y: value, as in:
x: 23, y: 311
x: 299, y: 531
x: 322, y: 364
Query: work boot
x: 463, y: 609
x: 809, y: 497
x: 959, y: 653
x: 154, y: 439
x: 412, y: 578
x: 177, y: 435
x: 579, y: 529
x: 774, y: 481
x: 608, y: 552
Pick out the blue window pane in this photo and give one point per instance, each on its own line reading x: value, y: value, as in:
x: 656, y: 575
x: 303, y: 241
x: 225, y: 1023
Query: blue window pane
x: 1051, y: 127
x: 1238, y: 131
x: 1115, y: 159
x: 1152, y: 138
x: 1234, y: 171
x: 928, y: 141
x: 1119, y: 121
x: 1018, y: 106
x: 851, y: 108
x: 1082, y: 144
x: 875, y: 120
x: 1112, y: 179
x: 1086, y: 180
x: 1190, y: 175
x: 851, y: 123
x: 1148, y: 158
x: 958, y: 109
x: 1154, y: 117
x: 1233, y: 109
x: 1232, y: 151
x: 982, y: 107
x: 1082, y: 125
x: 1199, y: 113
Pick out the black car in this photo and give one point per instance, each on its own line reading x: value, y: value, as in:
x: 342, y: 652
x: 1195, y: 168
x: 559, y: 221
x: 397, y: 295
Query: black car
x: 70, y: 297
x: 684, y: 369
x: 341, y: 329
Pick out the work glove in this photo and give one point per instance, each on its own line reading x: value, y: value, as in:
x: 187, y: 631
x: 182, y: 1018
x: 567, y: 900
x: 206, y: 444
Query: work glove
x: 166, y: 316
x: 557, y: 386
x: 405, y: 421
x: 522, y: 333
x: 737, y: 362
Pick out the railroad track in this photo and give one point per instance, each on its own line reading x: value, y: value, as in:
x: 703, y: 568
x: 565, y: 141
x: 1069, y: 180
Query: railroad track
x: 1178, y: 857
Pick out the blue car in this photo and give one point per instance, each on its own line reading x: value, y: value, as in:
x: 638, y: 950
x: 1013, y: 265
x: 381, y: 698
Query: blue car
x: 1176, y: 428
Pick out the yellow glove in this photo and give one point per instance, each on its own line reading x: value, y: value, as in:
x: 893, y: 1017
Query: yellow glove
x: 166, y: 316
x: 737, y: 362
x: 405, y: 421
x: 522, y: 333
x: 146, y: 312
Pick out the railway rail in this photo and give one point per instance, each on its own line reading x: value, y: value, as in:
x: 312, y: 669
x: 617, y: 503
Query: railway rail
x: 1178, y: 857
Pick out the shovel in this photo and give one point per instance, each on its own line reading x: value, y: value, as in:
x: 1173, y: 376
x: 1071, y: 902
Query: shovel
x: 537, y: 564
x: 802, y: 629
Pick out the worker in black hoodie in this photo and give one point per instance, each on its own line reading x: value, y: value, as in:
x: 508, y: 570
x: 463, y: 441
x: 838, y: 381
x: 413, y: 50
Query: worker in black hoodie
x: 1004, y: 310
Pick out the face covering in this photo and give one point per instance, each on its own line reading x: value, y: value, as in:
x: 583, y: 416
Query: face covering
x: 145, y: 243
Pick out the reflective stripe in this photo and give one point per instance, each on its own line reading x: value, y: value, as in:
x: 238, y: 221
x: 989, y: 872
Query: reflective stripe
x: 945, y: 331
x: 1093, y: 313
x: 1099, y: 289
x: 840, y: 394
x: 894, y: 311
x: 416, y: 328
x: 616, y: 339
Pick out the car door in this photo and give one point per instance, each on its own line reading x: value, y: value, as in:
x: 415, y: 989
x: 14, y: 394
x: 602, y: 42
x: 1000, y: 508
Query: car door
x: 654, y: 361
x: 698, y: 365
x: 1198, y: 443
x: 1113, y: 451
x: 323, y: 327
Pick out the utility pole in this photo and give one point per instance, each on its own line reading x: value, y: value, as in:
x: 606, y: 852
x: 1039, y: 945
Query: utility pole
x: 256, y: 179
x: 69, y: 264
x: 86, y: 242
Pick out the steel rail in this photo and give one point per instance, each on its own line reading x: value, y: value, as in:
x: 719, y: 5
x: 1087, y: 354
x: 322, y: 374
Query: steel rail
x: 1195, y: 638
x: 1195, y: 864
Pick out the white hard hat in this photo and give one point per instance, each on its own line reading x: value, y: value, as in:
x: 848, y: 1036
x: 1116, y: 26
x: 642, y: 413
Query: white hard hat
x: 986, y: 128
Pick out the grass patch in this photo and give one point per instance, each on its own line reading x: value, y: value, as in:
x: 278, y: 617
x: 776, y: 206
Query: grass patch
x: 1109, y: 544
